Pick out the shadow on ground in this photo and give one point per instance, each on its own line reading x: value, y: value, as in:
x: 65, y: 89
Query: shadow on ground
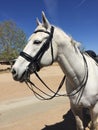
x: 68, y: 122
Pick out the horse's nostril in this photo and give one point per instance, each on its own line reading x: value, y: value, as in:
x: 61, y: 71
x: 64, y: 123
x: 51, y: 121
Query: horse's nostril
x: 13, y: 71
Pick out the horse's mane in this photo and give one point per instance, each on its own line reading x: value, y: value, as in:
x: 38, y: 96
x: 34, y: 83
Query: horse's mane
x: 71, y: 39
x: 75, y: 43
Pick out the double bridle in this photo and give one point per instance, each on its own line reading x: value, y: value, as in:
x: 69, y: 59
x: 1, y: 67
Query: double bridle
x: 34, y: 66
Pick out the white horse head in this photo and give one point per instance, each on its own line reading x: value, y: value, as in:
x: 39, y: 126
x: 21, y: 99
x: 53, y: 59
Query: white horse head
x: 41, y: 50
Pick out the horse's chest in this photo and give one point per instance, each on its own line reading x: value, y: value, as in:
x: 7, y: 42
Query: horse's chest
x: 84, y: 100
x: 86, y: 97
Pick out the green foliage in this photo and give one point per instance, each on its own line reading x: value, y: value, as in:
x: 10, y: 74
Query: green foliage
x: 12, y: 40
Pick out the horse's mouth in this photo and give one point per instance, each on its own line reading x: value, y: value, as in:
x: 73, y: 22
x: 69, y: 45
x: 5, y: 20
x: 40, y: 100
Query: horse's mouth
x: 23, y: 77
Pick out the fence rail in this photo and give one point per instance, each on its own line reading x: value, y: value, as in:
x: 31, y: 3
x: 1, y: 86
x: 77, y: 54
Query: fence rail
x: 11, y: 62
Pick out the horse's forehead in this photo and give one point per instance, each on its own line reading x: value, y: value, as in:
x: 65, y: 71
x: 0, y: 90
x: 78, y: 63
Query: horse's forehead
x: 37, y: 35
x: 40, y: 27
x: 32, y: 37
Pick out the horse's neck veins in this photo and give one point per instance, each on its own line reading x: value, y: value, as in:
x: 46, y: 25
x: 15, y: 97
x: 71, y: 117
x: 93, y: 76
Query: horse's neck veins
x: 72, y: 65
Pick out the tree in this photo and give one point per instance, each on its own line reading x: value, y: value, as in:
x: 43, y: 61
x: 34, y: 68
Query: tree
x: 12, y: 40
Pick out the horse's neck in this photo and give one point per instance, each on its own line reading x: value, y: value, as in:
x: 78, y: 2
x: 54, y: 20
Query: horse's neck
x: 70, y: 60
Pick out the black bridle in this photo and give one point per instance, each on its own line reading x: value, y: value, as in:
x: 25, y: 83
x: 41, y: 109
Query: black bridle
x: 35, y: 61
x: 34, y: 66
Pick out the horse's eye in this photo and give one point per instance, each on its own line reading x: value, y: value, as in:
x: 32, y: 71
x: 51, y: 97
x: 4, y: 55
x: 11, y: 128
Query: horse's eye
x: 37, y: 42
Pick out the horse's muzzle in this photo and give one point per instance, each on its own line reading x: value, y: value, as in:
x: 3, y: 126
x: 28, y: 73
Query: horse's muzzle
x: 21, y: 78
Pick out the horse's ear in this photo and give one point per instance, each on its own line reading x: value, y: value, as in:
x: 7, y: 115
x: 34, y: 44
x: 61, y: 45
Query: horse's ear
x: 38, y: 22
x: 45, y: 21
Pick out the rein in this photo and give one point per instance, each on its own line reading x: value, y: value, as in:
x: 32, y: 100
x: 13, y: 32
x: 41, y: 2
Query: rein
x: 78, y: 91
x: 31, y: 85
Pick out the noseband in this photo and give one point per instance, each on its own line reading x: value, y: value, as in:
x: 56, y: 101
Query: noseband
x: 35, y: 61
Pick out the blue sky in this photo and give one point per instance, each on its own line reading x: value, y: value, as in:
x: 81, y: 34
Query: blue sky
x: 78, y: 18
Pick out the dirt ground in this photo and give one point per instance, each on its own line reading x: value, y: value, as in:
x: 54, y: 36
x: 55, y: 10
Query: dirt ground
x: 20, y: 110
